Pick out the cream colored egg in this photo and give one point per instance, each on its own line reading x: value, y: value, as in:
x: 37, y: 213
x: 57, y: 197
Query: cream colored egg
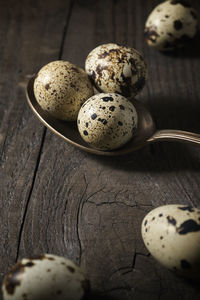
x: 171, y: 233
x: 117, y: 69
x: 45, y: 277
x: 107, y: 121
x: 170, y: 25
x: 61, y: 88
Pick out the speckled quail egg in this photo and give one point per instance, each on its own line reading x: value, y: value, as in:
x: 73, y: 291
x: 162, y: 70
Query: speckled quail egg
x: 116, y: 69
x: 170, y: 25
x: 61, y: 88
x: 45, y: 277
x: 107, y: 121
x: 171, y: 233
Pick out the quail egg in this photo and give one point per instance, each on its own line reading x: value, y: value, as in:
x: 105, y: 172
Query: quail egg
x: 116, y: 69
x: 171, y: 233
x: 107, y: 121
x: 170, y: 25
x: 45, y: 277
x: 61, y: 88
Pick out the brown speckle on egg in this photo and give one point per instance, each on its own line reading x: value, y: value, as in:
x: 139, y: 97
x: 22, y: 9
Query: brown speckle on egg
x: 50, y: 258
x: 188, y: 226
x: 187, y: 208
x: 151, y: 34
x: 185, y: 264
x: 12, y: 280
x: 29, y: 264
x: 71, y: 269
x: 85, y: 132
x: 178, y: 24
x: 47, y: 86
x: 106, y: 99
x: 171, y: 220
x: 93, y: 116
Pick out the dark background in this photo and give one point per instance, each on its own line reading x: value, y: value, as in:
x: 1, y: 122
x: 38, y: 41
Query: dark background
x: 55, y: 198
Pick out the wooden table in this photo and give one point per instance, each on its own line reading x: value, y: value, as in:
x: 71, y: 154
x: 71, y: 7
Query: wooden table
x: 57, y: 199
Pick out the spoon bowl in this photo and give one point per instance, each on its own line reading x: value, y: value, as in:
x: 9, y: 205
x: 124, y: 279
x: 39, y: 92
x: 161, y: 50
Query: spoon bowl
x: 146, y: 131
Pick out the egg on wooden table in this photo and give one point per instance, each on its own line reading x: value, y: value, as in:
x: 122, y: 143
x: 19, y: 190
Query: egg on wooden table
x: 107, y: 121
x: 171, y: 24
x: 171, y: 233
x: 61, y: 88
x: 117, y: 69
x: 45, y: 277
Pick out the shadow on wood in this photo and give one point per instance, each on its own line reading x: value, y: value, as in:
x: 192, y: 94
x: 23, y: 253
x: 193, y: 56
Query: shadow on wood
x: 161, y: 157
x: 96, y: 296
x: 192, y: 50
x: 176, y: 113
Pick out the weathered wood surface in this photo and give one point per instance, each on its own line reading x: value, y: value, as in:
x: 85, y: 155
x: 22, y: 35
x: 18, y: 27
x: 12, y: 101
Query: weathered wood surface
x: 55, y: 198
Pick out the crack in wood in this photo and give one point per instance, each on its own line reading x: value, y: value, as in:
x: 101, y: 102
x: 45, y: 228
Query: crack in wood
x: 65, y: 29
x: 114, y: 202
x: 121, y: 269
x: 130, y: 268
x: 136, y: 254
x: 117, y: 203
x: 79, y: 216
x: 43, y: 136
x: 90, y: 196
x: 126, y: 288
x: 3, y: 147
x: 30, y: 193
x: 114, y: 2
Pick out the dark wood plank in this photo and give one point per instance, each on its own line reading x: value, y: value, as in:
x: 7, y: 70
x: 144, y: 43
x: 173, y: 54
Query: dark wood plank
x: 30, y: 36
x: 90, y: 208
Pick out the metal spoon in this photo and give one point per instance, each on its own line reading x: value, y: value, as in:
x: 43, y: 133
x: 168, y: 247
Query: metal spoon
x: 146, y: 131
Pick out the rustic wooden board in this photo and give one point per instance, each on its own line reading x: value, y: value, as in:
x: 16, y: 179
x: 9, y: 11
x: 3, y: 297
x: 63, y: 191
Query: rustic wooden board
x: 58, y: 199
x: 25, y: 31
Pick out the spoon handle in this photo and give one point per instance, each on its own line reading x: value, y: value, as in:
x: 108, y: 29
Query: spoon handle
x: 175, y: 135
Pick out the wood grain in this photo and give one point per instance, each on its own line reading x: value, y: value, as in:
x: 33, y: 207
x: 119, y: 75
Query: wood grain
x: 57, y: 199
x: 31, y: 34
